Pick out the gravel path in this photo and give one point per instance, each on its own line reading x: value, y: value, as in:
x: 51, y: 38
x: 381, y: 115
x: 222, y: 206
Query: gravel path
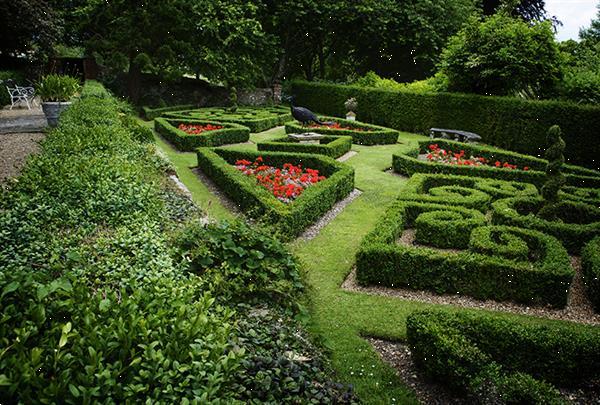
x: 315, y: 228
x: 14, y: 150
x: 22, y: 120
x: 347, y: 156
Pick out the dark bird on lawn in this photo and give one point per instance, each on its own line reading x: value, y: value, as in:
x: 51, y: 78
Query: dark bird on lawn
x: 304, y: 115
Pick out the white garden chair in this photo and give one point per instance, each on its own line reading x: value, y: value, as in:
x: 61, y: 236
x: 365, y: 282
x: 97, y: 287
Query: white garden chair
x: 19, y: 94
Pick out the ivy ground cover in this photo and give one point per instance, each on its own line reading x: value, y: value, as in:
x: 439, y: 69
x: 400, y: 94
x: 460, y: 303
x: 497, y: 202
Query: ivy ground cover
x: 260, y: 183
x: 186, y: 135
x: 257, y: 119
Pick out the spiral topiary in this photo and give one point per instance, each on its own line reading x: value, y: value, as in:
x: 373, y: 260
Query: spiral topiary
x: 554, y: 154
x: 233, y: 99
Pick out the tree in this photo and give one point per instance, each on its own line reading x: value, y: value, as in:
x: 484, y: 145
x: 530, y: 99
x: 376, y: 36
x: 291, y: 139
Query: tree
x: 591, y: 34
x: 529, y: 10
x: 502, y: 55
x: 27, y: 26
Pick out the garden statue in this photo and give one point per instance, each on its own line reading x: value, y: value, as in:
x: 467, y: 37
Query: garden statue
x: 304, y: 115
x: 351, y: 105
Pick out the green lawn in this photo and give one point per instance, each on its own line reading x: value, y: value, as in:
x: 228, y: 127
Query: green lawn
x: 340, y: 318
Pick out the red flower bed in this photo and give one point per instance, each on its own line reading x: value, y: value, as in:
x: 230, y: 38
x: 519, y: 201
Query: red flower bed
x: 439, y: 155
x: 197, y: 129
x: 286, y: 184
x: 334, y: 125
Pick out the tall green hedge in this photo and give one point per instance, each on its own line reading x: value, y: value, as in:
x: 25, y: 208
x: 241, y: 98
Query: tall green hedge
x: 590, y: 264
x: 511, y: 123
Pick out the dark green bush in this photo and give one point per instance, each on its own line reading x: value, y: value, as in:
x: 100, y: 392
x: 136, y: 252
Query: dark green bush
x: 367, y: 135
x: 258, y: 119
x: 241, y: 263
x: 499, y: 360
x: 576, y: 224
x: 541, y: 279
x: 408, y: 163
x: 290, y: 219
x: 332, y: 146
x: 590, y: 264
x: 230, y: 133
x: 511, y: 123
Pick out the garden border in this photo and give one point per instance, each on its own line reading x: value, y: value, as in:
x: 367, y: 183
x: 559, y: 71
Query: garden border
x: 231, y: 133
x: 374, y: 134
x: 334, y: 146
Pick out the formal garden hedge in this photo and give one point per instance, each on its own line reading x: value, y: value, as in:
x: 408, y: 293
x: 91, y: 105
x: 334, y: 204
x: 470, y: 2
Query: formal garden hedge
x: 590, y: 264
x: 332, y: 146
x: 501, y: 263
x: 496, y: 360
x: 511, y: 123
x: 151, y: 113
x: 113, y: 290
x: 409, y: 163
x: 361, y: 133
x: 573, y: 223
x: 230, y: 133
x: 289, y: 219
x: 258, y: 119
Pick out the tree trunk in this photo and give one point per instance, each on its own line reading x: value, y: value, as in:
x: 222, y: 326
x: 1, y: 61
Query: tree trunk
x: 134, y: 78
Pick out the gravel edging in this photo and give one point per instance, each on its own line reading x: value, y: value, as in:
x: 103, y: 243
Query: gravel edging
x: 571, y: 312
x: 214, y: 190
x: 347, y: 156
x: 393, y: 173
x: 313, y: 230
x: 14, y: 151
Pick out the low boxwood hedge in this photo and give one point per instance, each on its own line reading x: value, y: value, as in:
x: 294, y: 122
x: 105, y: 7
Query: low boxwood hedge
x: 590, y: 264
x: 408, y: 163
x: 471, y: 192
x: 493, y: 274
x: 151, y: 113
x: 368, y: 134
x: 231, y: 133
x: 258, y: 119
x: 332, y: 146
x: 500, y: 360
x: 290, y: 219
x: 576, y: 224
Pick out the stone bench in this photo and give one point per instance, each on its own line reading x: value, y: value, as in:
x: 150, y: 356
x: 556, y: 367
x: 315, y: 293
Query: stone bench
x: 462, y: 136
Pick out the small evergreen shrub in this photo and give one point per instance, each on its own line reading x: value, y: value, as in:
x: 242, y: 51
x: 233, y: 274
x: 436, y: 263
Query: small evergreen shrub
x: 230, y: 133
x: 332, y: 146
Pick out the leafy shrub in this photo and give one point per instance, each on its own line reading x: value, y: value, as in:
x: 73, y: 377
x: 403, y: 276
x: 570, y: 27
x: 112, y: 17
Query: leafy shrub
x: 502, y: 55
x: 289, y: 219
x: 240, y: 263
x: 511, y: 123
x: 499, y: 360
x: 258, y: 119
x: 230, y: 133
x: 57, y: 87
x: 152, y: 113
x: 332, y: 146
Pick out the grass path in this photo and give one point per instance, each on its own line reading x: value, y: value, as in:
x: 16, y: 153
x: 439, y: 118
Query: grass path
x: 340, y: 318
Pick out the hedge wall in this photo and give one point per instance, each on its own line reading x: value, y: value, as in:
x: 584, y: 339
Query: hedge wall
x: 258, y: 119
x: 332, y: 146
x: 290, y: 219
x: 590, y: 264
x: 368, y: 134
x: 576, y: 224
x: 511, y: 123
x: 487, y: 270
x: 151, y: 113
x: 408, y: 164
x: 231, y: 133
x: 496, y: 360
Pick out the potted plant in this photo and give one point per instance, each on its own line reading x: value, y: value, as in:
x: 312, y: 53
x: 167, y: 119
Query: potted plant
x: 56, y: 92
x: 351, y: 105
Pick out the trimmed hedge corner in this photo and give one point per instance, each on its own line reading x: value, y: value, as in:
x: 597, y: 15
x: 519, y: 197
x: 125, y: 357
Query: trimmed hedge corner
x: 512, y: 123
x: 152, y: 113
x: 408, y: 164
x: 496, y: 360
x: 368, y: 135
x: 290, y: 219
x: 332, y: 146
x: 231, y: 133
x: 488, y: 270
x: 590, y: 264
x: 258, y: 119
